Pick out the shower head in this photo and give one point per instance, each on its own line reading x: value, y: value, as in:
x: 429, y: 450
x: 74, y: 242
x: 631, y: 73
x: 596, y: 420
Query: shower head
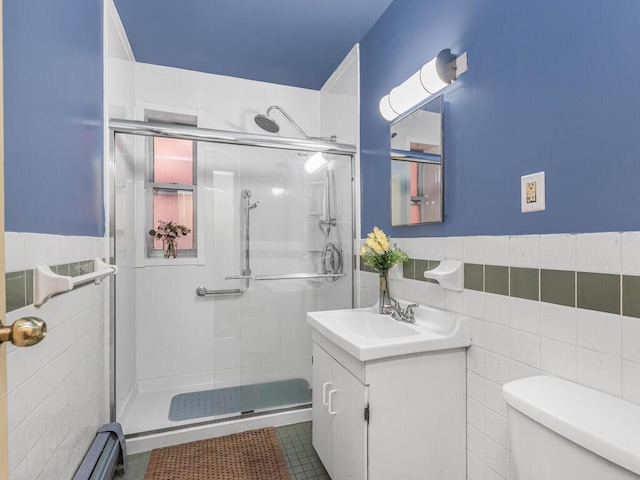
x: 266, y: 123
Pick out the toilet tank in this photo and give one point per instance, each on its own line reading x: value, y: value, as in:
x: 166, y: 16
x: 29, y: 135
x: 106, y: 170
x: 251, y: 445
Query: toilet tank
x: 560, y: 430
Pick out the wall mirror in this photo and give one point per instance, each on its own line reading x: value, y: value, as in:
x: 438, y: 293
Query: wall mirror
x: 417, y: 165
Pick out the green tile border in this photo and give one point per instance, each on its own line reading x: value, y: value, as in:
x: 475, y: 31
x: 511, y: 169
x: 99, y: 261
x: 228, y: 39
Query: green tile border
x: 524, y: 283
x: 603, y: 292
x: 558, y: 287
x: 19, y: 284
x: 631, y: 296
x: 474, y: 277
x: 599, y: 292
x: 496, y: 279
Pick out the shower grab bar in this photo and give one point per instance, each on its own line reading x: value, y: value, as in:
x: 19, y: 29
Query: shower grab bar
x: 46, y: 283
x: 285, y: 276
x: 204, y: 292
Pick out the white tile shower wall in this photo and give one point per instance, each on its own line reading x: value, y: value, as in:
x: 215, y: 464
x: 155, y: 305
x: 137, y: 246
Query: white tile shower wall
x: 57, y: 389
x: 515, y: 338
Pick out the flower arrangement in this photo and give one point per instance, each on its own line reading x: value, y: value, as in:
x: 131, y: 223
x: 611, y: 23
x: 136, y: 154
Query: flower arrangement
x: 378, y: 253
x: 168, y: 232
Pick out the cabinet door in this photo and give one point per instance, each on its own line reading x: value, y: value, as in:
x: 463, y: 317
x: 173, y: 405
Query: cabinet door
x: 349, y: 427
x: 322, y: 419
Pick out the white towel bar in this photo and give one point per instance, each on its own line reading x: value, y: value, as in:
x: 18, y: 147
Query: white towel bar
x: 46, y: 283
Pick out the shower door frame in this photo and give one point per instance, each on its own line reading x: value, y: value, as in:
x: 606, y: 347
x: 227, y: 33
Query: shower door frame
x: 184, y: 132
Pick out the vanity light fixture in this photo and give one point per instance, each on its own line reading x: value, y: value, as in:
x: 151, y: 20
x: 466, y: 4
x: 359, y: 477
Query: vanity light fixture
x: 429, y: 80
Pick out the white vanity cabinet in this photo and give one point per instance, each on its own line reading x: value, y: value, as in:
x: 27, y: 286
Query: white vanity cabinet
x: 339, y: 427
x: 401, y: 417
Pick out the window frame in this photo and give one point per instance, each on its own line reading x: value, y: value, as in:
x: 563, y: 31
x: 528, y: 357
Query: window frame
x: 151, y: 186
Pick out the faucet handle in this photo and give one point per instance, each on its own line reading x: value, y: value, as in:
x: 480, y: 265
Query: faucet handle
x: 409, y: 310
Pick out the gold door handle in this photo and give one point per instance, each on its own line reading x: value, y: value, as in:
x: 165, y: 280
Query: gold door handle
x: 24, y: 332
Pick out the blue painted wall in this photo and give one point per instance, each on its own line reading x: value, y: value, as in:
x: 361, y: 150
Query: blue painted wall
x: 553, y: 85
x: 53, y: 121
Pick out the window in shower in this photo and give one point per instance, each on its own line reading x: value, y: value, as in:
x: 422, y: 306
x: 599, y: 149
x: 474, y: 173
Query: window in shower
x: 171, y: 188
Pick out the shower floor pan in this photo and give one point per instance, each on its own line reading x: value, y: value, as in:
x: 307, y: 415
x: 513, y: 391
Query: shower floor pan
x: 241, y: 399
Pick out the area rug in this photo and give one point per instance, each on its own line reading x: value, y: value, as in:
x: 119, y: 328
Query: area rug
x: 253, y: 455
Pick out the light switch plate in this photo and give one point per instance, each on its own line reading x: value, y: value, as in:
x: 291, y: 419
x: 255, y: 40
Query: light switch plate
x: 532, y: 192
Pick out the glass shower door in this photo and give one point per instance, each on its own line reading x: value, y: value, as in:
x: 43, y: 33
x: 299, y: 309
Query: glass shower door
x: 274, y: 231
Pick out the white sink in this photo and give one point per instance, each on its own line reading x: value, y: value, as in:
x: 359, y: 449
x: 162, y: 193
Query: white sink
x: 369, y: 335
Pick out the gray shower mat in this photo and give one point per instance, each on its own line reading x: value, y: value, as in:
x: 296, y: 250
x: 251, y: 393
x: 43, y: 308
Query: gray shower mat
x: 245, y: 398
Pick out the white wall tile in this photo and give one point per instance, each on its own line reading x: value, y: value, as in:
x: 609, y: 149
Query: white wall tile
x: 519, y: 370
x: 474, y: 303
x: 599, y: 331
x: 558, y: 322
x: 524, y: 251
x: 475, y: 467
x: 496, y: 368
x: 496, y: 309
x: 631, y: 253
x: 475, y: 386
x: 454, y: 248
x: 16, y: 252
x: 421, y: 248
x: 599, y: 371
x: 524, y: 314
x: 477, y: 332
x: 496, y: 251
x: 475, y: 442
x: 475, y: 414
x: 631, y: 381
x: 453, y: 301
x: 474, y: 250
x: 558, y: 252
x: 496, y: 428
x: 497, y: 458
x: 496, y: 339
x: 558, y: 358
x: 494, y: 399
x: 436, y: 248
x: 525, y: 348
x: 631, y: 339
x: 599, y: 252
x: 493, y: 475
x: 475, y: 359
x: 60, y: 382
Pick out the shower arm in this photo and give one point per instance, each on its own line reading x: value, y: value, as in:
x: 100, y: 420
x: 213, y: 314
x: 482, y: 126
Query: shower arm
x: 332, y: 138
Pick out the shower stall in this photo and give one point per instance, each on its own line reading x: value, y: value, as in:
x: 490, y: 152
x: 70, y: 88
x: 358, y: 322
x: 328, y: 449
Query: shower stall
x: 219, y: 333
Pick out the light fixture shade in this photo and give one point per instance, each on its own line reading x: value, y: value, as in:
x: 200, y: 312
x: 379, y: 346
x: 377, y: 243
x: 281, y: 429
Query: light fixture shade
x: 385, y: 109
x: 430, y: 79
x: 407, y: 94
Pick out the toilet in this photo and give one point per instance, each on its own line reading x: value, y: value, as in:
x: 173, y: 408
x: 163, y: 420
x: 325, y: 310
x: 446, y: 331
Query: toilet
x: 560, y: 430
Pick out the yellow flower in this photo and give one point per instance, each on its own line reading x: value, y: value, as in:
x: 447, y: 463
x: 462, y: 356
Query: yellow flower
x: 371, y: 243
x: 381, y: 238
x: 363, y: 250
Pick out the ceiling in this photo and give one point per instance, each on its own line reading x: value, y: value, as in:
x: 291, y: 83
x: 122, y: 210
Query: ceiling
x: 289, y: 42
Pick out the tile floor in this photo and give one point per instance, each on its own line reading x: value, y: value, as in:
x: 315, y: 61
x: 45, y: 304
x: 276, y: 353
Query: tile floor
x: 301, y: 458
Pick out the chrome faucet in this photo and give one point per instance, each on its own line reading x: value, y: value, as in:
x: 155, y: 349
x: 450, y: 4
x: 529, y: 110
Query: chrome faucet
x: 397, y: 313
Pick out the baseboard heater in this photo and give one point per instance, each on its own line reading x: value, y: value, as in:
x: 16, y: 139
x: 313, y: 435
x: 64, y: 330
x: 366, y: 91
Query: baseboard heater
x: 106, y: 455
